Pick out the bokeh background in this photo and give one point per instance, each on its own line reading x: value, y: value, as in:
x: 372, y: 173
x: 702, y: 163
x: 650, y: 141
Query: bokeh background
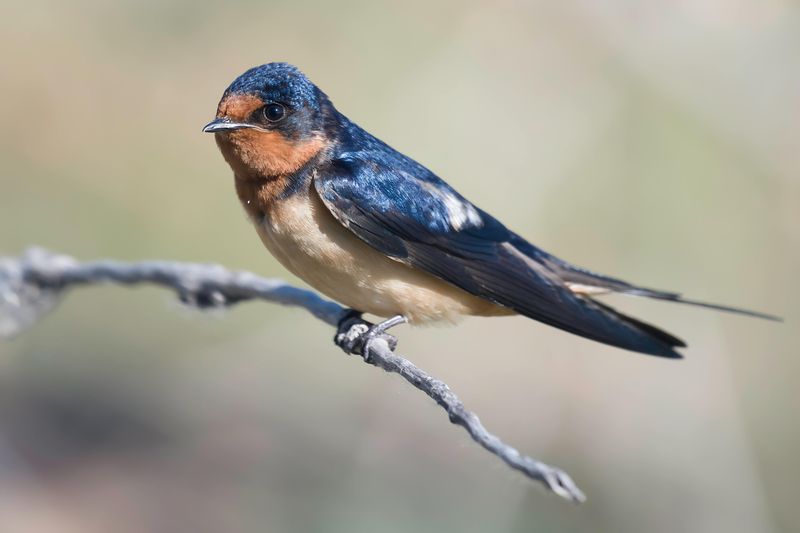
x: 657, y: 141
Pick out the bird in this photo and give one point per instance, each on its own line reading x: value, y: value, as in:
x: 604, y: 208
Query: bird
x: 380, y: 233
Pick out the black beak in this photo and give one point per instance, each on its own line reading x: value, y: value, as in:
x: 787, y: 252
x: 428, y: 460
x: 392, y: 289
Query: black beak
x: 223, y: 124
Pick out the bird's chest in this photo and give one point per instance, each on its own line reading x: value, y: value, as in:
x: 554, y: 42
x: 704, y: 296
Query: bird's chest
x: 303, y: 235
x: 293, y: 226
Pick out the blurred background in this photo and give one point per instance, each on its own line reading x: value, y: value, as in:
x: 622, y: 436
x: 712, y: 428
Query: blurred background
x: 656, y: 141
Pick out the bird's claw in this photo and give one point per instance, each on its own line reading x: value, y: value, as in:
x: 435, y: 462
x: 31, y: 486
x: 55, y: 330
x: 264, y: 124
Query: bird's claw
x: 354, y: 335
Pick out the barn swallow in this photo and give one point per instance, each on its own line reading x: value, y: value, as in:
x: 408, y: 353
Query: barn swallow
x: 382, y: 234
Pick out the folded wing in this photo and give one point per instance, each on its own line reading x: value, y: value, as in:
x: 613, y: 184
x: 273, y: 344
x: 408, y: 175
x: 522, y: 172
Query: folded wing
x: 421, y: 221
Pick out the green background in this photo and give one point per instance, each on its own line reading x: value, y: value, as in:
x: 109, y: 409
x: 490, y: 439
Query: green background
x: 656, y: 141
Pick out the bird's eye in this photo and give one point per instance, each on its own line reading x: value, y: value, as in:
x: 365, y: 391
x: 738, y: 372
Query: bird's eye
x: 273, y: 112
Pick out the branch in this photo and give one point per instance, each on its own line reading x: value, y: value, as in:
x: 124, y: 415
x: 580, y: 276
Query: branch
x: 32, y: 285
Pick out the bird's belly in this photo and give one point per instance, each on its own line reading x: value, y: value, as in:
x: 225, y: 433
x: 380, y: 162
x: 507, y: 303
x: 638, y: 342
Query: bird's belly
x: 302, y: 234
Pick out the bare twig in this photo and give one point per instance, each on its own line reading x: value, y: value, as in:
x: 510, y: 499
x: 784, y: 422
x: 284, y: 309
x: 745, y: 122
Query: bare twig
x: 32, y: 285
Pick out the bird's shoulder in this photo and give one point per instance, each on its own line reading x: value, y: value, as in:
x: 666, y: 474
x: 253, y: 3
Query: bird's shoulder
x: 368, y: 176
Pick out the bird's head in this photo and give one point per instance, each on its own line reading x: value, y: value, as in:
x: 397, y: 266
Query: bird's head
x: 270, y: 121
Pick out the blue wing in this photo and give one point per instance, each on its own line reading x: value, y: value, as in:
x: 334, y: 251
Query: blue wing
x: 409, y: 214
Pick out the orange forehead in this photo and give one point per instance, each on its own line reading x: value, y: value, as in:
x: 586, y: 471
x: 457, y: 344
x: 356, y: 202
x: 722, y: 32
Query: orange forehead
x: 238, y: 107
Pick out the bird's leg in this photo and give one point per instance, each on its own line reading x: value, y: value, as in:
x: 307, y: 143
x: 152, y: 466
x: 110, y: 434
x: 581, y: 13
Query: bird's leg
x: 355, y: 335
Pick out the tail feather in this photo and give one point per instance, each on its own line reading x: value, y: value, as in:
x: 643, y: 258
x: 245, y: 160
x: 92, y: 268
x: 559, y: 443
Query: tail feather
x: 585, y: 278
x: 674, y: 297
x: 630, y: 333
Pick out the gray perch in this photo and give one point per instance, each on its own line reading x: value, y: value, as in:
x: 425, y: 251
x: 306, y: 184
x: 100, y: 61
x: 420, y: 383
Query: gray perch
x: 32, y: 285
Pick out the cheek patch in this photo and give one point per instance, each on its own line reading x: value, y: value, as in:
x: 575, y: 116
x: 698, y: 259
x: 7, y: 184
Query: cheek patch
x: 263, y: 154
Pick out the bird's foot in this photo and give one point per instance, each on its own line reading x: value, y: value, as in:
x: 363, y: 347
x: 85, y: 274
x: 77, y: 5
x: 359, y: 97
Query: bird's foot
x: 349, y: 331
x: 355, y: 335
x: 378, y: 331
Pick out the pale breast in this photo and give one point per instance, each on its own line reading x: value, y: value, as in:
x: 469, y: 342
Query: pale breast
x: 303, y: 235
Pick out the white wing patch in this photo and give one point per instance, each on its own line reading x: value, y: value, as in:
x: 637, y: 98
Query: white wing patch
x: 460, y: 213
